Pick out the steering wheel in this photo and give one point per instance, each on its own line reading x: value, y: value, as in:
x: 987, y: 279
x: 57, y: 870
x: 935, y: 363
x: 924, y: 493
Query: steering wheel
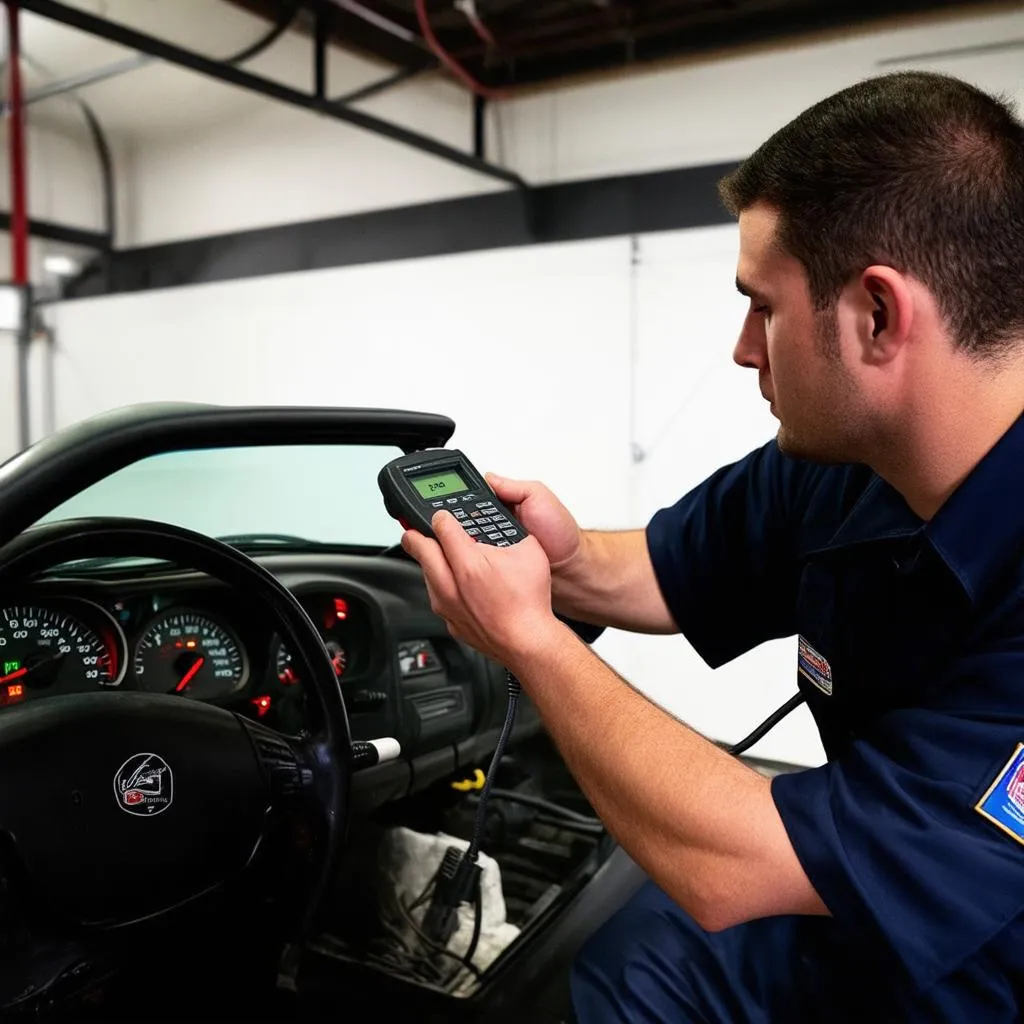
x: 119, y: 810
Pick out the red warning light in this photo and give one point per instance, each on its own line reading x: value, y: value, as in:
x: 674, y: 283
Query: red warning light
x: 262, y: 705
x: 15, y: 690
x: 340, y: 608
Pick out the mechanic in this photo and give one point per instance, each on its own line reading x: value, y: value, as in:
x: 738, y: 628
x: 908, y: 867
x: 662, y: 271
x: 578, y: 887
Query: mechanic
x: 882, y: 249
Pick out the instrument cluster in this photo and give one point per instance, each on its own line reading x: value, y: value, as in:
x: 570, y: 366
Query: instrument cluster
x: 199, y: 645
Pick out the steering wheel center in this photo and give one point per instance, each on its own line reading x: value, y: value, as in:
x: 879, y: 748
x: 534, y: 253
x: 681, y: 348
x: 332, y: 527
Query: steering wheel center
x: 127, y: 805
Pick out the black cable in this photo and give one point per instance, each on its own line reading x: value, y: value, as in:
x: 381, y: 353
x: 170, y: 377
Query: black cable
x: 514, y: 690
x: 540, y: 804
x: 289, y: 12
x: 100, y: 144
x: 768, y: 724
x: 569, y: 825
x: 478, y: 917
x: 99, y: 140
x: 422, y: 898
x: 436, y: 947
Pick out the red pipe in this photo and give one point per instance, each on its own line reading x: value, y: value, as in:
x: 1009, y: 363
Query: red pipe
x: 16, y: 148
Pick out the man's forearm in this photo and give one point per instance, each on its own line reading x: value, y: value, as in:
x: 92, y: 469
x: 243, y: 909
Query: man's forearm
x: 611, y: 582
x: 701, y: 824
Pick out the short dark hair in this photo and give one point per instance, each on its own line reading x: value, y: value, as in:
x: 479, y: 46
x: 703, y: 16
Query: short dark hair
x: 919, y: 171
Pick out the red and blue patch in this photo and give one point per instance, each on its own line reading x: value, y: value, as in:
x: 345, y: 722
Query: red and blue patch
x: 811, y: 665
x: 1003, y: 802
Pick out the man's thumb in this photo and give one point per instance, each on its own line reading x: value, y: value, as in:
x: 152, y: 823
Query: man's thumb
x: 512, y: 492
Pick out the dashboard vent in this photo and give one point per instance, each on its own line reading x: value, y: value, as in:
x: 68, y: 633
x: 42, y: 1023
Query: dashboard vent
x: 438, y: 703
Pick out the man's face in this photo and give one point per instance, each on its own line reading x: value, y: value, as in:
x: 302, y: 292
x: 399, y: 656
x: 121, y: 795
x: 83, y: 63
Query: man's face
x: 797, y: 352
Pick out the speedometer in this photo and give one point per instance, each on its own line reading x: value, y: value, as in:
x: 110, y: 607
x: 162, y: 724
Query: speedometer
x: 189, y: 653
x: 44, y: 651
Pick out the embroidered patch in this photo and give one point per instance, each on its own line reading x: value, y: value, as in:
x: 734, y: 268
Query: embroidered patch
x: 1003, y: 803
x: 811, y: 665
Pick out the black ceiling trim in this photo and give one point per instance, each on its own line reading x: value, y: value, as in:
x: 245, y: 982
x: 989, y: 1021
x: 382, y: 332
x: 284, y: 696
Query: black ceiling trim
x: 60, y: 232
x: 658, y: 201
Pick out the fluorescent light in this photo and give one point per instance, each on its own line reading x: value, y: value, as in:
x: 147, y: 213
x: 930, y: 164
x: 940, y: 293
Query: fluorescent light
x: 62, y: 266
x: 12, y: 298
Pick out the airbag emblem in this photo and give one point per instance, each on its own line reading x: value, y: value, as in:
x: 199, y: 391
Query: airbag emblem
x: 144, y: 785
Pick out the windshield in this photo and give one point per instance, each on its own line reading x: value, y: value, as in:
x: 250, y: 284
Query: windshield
x: 322, y: 493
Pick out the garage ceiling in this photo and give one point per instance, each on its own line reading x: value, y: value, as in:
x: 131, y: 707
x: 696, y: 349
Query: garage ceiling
x: 535, y: 43
x: 513, y: 43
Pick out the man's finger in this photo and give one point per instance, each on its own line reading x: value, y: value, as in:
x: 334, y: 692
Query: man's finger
x: 457, y: 544
x: 435, y: 565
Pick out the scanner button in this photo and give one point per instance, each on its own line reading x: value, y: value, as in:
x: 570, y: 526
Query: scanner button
x: 510, y: 533
x: 437, y: 504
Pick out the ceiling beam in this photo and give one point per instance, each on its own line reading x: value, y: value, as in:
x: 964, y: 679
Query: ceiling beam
x: 116, y: 33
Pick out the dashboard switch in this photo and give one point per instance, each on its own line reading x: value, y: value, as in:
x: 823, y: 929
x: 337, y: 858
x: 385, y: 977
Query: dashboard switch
x: 416, y: 657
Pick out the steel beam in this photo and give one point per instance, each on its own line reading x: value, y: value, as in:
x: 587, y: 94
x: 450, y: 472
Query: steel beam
x: 376, y: 88
x: 479, y: 126
x: 60, y: 233
x: 124, y: 36
x: 122, y: 67
x: 320, y: 33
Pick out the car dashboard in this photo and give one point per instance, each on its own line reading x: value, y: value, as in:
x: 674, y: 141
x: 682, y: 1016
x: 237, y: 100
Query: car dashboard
x: 160, y: 629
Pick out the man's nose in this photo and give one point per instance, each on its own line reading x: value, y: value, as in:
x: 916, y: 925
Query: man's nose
x: 751, y: 350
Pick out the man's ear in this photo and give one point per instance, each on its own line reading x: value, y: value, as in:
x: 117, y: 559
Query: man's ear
x: 884, y: 307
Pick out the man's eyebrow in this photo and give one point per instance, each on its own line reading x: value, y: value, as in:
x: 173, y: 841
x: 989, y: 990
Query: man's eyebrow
x: 748, y: 290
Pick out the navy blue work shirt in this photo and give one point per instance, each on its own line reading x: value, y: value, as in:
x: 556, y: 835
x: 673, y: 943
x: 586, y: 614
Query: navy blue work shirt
x: 911, y: 656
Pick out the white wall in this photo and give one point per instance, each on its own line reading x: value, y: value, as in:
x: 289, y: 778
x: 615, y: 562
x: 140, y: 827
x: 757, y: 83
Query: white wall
x: 718, y: 109
x: 437, y: 334
x: 271, y: 164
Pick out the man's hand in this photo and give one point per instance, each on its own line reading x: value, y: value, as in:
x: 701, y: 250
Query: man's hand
x: 546, y: 518
x: 497, y: 600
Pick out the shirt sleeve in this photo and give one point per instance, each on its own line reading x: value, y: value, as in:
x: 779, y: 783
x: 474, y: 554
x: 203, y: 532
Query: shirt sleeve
x: 725, y: 554
x: 914, y: 838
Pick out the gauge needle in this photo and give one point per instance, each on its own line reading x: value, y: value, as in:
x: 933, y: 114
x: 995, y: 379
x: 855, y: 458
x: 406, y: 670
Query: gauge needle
x: 25, y: 669
x: 189, y: 675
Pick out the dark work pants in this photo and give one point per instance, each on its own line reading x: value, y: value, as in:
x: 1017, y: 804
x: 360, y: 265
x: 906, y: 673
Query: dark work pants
x: 652, y: 963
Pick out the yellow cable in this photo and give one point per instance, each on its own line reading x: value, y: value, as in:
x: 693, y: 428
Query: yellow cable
x: 477, y: 782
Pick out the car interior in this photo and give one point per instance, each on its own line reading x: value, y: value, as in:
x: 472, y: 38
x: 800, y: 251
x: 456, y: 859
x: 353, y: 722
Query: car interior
x: 240, y: 752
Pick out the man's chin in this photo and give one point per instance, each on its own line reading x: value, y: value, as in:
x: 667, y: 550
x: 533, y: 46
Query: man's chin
x: 797, y: 447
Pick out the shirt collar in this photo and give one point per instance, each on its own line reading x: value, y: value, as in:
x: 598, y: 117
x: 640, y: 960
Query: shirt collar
x: 881, y: 513
x: 980, y: 528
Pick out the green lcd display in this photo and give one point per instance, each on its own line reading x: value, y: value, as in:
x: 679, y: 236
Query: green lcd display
x: 439, y: 486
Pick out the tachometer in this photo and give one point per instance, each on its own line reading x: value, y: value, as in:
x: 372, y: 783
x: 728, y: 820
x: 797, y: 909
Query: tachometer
x: 44, y: 650
x: 286, y: 672
x: 189, y: 653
